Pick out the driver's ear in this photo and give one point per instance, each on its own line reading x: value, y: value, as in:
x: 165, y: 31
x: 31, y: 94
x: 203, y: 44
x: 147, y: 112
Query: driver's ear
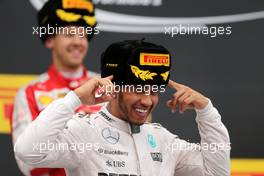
x: 49, y: 42
x: 114, y: 95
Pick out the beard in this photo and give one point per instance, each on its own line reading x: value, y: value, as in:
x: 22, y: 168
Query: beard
x: 125, y: 112
x: 122, y: 107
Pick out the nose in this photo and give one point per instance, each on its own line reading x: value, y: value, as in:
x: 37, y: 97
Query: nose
x: 77, y: 39
x: 146, y: 100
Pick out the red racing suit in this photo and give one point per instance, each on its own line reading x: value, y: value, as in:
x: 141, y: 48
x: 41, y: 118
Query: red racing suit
x: 33, y: 98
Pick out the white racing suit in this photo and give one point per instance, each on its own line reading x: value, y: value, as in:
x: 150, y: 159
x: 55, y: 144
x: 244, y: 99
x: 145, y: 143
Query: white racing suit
x: 103, y: 145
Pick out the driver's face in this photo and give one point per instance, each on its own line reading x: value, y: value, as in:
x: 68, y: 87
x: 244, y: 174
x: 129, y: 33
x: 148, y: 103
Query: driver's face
x: 69, y: 48
x: 136, y: 107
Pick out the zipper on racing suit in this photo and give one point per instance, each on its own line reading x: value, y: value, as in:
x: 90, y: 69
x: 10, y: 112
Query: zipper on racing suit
x: 135, y: 129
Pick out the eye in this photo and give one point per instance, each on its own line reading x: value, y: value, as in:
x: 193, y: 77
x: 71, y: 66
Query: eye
x: 69, y: 35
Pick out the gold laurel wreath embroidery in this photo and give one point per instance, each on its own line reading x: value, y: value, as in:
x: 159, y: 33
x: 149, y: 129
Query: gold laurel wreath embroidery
x: 67, y: 16
x: 165, y: 75
x: 142, y: 74
x: 90, y: 20
x: 72, y: 17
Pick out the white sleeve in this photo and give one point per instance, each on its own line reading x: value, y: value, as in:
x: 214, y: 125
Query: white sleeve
x: 38, y: 145
x: 21, y: 118
x: 212, y: 156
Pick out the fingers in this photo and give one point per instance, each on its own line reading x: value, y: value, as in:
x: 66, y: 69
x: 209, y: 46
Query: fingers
x: 106, y: 90
x: 169, y: 104
x: 91, y: 89
x: 174, y: 85
x: 182, y: 102
x: 182, y: 99
x: 187, y: 103
x: 175, y: 98
x: 110, y: 77
x: 106, y: 85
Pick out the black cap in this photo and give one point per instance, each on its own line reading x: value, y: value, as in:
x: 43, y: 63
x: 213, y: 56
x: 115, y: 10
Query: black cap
x: 136, y: 62
x: 57, y: 13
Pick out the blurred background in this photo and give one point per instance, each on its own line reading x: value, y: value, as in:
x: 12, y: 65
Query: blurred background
x: 227, y: 66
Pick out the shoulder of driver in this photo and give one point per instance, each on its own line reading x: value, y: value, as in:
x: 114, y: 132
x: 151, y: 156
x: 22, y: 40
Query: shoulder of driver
x: 85, y: 122
x: 79, y: 126
x: 158, y: 129
x: 79, y: 120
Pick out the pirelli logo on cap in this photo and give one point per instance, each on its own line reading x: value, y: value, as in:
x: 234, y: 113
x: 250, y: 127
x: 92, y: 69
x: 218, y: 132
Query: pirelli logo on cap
x: 154, y: 59
x: 78, y: 4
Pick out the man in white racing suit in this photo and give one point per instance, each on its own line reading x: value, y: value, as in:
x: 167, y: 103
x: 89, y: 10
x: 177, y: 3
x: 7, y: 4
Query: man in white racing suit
x: 116, y: 141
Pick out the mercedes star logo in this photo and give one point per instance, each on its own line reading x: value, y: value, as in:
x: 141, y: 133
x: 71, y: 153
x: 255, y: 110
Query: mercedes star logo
x: 110, y: 136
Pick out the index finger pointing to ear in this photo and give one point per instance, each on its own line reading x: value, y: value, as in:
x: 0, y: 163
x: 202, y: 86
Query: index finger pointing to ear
x: 110, y: 77
x: 174, y: 85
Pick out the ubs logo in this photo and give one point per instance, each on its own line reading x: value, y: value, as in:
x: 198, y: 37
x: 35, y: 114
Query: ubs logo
x: 111, y: 163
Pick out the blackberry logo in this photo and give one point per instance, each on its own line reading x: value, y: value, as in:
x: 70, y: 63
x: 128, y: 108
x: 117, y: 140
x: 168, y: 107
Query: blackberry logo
x: 112, y: 152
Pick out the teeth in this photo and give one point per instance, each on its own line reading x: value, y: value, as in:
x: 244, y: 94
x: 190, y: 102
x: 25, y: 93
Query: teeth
x: 76, y: 51
x: 141, y: 110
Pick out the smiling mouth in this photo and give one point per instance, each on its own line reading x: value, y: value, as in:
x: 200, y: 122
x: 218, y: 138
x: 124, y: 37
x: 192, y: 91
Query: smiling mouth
x: 141, y: 112
x: 76, y: 53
